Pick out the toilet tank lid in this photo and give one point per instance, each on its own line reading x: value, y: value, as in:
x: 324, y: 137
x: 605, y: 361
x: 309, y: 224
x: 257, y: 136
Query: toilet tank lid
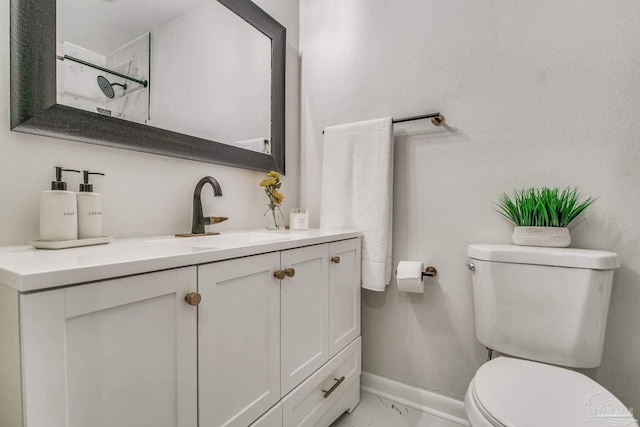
x: 557, y: 257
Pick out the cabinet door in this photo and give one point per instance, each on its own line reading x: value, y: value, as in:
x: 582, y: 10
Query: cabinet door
x: 273, y: 418
x: 120, y: 353
x: 344, y: 294
x: 239, y: 340
x: 305, y: 298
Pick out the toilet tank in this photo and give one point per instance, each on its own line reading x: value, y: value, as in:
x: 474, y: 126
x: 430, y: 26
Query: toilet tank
x: 543, y: 304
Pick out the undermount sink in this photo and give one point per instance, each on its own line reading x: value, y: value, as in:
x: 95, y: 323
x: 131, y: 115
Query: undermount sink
x: 222, y: 241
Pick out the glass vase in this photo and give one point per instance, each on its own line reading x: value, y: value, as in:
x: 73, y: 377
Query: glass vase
x: 274, y: 217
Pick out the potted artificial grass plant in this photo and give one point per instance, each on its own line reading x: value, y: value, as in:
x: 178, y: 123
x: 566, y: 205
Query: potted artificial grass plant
x: 541, y: 215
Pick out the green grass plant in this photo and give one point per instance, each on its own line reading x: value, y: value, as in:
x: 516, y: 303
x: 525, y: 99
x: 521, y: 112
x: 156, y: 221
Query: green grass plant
x: 543, y: 207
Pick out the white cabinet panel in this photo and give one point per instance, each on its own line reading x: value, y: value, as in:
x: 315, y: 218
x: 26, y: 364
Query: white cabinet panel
x: 344, y: 294
x: 239, y: 340
x: 119, y: 352
x: 273, y: 418
x: 305, y: 299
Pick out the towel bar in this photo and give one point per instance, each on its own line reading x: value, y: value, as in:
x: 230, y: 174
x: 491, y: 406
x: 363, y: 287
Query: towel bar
x: 436, y: 118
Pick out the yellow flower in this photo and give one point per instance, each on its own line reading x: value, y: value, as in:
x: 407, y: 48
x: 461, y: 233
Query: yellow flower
x: 267, y: 182
x: 277, y: 196
x: 274, y: 174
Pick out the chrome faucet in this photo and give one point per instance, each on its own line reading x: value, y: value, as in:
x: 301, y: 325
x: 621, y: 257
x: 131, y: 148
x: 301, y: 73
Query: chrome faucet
x: 199, y: 220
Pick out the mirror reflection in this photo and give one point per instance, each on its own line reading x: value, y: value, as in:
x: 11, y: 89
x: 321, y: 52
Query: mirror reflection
x: 192, y: 67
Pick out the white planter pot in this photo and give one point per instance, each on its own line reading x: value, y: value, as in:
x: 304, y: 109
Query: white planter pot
x: 554, y: 237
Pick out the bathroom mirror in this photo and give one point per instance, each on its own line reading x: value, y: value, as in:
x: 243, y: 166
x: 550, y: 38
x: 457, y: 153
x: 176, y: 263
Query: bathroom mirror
x: 229, y: 109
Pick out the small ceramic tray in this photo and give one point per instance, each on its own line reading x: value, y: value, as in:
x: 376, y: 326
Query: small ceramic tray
x: 63, y: 244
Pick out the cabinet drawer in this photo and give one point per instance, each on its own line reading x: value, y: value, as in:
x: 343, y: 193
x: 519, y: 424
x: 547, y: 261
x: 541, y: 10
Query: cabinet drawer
x: 306, y: 404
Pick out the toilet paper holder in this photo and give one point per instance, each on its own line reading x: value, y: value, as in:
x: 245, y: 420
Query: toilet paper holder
x: 430, y: 271
x: 410, y: 276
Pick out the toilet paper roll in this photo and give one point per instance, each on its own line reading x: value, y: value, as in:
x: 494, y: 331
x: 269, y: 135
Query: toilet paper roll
x: 409, y: 277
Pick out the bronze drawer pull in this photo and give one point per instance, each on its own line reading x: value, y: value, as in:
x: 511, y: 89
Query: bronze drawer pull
x: 327, y: 393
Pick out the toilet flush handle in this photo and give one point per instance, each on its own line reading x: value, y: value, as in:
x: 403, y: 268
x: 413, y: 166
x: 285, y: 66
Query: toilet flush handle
x: 470, y: 266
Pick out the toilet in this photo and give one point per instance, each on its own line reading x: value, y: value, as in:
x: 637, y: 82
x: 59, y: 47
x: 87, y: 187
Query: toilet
x: 545, y: 310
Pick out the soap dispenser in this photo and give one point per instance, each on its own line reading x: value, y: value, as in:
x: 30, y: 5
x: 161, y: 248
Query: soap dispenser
x: 89, y: 209
x: 58, y: 219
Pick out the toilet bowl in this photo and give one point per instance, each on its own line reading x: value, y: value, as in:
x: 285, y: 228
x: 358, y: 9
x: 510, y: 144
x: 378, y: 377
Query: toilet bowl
x: 546, y: 305
x: 513, y: 392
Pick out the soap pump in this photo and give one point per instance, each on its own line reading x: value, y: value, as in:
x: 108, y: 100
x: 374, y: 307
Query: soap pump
x: 58, y: 219
x: 89, y: 209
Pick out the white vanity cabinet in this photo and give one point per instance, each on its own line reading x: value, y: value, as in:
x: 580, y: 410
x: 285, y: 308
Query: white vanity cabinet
x: 260, y: 336
x: 119, y: 352
x: 179, y: 334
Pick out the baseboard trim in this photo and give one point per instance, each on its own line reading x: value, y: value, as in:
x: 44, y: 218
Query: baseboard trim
x: 432, y: 403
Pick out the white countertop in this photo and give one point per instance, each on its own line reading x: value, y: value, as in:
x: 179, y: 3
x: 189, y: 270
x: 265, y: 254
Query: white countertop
x: 25, y: 269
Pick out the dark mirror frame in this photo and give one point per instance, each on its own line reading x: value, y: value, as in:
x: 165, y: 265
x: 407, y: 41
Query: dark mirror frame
x: 34, y: 108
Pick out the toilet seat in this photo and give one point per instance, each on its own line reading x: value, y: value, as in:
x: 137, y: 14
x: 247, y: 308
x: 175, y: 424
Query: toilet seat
x: 508, y: 392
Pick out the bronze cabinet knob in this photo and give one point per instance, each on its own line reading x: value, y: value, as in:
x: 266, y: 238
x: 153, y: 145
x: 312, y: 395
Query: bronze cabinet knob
x: 193, y: 298
x: 335, y: 259
x: 279, y: 274
x: 290, y: 272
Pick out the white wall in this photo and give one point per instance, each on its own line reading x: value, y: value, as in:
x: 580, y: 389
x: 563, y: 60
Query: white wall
x: 534, y: 93
x: 143, y: 194
x: 235, y: 72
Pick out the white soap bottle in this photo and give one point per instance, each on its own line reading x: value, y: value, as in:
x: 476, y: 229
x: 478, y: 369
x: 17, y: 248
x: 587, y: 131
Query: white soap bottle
x: 89, y: 209
x: 58, y: 218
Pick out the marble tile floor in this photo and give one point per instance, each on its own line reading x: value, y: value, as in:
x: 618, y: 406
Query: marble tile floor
x: 376, y: 411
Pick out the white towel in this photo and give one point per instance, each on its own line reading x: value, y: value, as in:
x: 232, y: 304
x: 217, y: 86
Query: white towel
x: 357, y: 191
